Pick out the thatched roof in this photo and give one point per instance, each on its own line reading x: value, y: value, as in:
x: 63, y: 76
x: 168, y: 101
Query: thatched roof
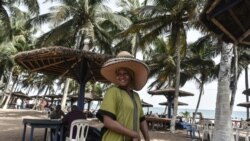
x: 21, y: 95
x: 179, y: 103
x: 54, y: 96
x: 88, y: 97
x: 244, y: 104
x: 62, y: 61
x: 229, y: 19
x: 246, y: 92
x: 169, y: 92
x: 145, y: 104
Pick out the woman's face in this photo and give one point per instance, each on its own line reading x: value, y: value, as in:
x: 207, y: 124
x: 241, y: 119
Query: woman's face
x: 123, y: 77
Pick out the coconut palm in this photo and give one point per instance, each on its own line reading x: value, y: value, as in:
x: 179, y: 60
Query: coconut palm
x: 222, y: 111
x: 130, y: 41
x: 80, y: 25
x: 200, y: 64
x: 21, y: 40
x: 170, y: 18
x: 8, y: 10
x: 240, y: 62
x: 76, y: 22
x: 162, y: 66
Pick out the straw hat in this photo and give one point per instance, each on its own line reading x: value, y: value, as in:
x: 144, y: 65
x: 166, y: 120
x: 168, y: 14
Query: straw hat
x: 125, y: 60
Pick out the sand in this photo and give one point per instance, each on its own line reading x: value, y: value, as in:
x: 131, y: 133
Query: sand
x: 11, y: 127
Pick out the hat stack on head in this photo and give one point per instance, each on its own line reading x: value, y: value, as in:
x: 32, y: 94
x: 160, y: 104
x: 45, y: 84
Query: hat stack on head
x: 125, y: 60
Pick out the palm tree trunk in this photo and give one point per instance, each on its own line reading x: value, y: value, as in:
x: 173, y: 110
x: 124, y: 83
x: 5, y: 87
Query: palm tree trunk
x: 177, y: 82
x: 11, y: 90
x: 235, y: 79
x: 223, y: 124
x: 198, y: 103
x: 65, y: 94
x: 7, y: 87
x: 36, y: 101
x: 247, y: 86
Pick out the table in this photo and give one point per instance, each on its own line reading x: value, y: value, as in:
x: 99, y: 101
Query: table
x: 43, y: 123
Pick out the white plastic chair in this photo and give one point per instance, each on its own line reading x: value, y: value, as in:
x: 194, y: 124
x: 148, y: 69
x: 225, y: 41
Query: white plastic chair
x: 206, y: 129
x: 244, y: 128
x: 82, y: 128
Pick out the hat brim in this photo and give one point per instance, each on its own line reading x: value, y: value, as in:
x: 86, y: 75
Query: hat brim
x: 139, y: 68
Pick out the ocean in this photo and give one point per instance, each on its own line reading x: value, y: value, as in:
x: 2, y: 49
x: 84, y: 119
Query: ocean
x: 206, y: 113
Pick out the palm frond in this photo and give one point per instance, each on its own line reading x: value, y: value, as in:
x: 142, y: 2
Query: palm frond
x: 32, y: 5
x: 62, y: 32
x: 5, y: 24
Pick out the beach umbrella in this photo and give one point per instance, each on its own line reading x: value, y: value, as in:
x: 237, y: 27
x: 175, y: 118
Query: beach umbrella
x: 244, y: 104
x: 21, y: 95
x: 52, y: 97
x: 169, y: 94
x: 229, y: 19
x: 246, y: 92
x: 179, y: 103
x: 145, y: 104
x: 88, y: 98
x: 16, y: 95
x: 79, y: 65
x: 166, y: 104
x: 36, y: 96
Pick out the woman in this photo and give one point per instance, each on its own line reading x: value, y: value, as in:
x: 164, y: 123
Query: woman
x: 121, y: 111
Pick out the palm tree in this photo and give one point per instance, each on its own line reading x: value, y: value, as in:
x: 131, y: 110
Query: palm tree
x: 21, y: 40
x: 169, y: 18
x: 240, y: 62
x: 200, y: 64
x: 162, y: 65
x: 125, y: 39
x: 76, y: 22
x: 223, y: 111
x: 8, y: 10
x: 81, y: 25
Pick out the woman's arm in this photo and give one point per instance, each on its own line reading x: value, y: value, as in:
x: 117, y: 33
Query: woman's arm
x: 118, y: 128
x: 144, y: 130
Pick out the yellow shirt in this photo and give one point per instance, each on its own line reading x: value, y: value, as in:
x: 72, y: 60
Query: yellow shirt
x: 118, y: 105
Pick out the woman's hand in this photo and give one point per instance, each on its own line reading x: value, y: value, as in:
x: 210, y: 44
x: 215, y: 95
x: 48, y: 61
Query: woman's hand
x: 137, y: 138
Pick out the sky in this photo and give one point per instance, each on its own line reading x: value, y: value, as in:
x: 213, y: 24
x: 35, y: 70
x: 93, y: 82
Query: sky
x: 208, y: 100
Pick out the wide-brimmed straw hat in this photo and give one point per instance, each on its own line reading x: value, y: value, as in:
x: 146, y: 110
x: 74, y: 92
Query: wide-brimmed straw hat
x: 125, y: 60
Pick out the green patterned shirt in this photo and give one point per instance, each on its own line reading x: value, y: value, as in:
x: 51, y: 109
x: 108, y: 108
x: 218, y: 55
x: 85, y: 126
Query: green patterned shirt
x: 118, y: 105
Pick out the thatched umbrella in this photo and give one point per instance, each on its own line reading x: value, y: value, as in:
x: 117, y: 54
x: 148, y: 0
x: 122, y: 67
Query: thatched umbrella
x: 145, y: 104
x: 16, y: 95
x: 79, y: 65
x: 169, y: 94
x: 246, y: 92
x: 52, y: 97
x: 229, y: 19
x: 21, y: 95
x: 166, y: 104
x: 89, y: 97
x: 179, y: 103
x: 244, y: 104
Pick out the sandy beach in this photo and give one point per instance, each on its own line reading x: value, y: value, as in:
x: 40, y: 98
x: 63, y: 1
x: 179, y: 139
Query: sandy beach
x: 11, y: 127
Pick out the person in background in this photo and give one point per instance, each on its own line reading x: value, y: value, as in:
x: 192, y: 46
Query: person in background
x: 69, y: 117
x: 57, y: 113
x: 121, y: 110
x: 18, y: 103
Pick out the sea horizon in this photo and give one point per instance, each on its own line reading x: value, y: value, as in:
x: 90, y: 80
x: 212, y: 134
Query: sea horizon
x: 206, y: 113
